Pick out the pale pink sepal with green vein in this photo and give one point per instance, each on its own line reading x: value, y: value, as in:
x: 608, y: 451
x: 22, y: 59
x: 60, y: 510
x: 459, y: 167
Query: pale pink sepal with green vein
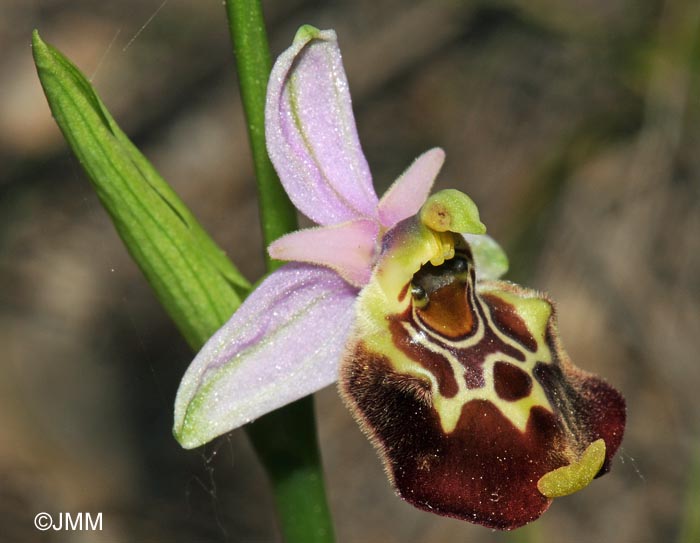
x: 279, y: 346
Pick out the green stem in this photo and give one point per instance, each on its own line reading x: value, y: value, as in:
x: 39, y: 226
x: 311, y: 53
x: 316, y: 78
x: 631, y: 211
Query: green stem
x: 247, y: 27
x: 286, y: 439
x: 527, y: 534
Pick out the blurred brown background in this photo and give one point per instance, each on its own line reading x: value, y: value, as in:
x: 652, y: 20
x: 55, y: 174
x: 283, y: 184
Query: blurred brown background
x: 574, y: 125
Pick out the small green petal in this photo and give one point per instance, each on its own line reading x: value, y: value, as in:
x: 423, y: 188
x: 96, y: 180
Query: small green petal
x: 490, y: 259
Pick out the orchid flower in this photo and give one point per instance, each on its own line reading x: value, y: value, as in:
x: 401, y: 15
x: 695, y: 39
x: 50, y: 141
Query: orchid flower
x: 459, y: 379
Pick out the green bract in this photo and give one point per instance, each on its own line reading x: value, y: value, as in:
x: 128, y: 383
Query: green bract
x: 193, y: 279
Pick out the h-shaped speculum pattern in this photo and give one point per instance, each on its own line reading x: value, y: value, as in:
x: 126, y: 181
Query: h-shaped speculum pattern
x: 458, y: 378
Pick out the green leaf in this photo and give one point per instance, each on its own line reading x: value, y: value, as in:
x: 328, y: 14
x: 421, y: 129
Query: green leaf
x: 192, y: 277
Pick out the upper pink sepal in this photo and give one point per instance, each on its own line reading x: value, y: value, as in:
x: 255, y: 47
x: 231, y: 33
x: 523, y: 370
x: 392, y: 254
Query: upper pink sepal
x: 408, y: 193
x: 346, y: 248
x: 311, y: 134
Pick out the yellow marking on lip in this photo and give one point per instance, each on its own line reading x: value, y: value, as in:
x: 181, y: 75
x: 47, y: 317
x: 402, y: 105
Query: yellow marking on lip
x: 576, y: 476
x: 535, y: 312
x: 449, y: 410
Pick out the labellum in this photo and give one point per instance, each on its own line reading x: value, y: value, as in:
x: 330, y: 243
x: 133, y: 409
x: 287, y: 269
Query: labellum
x: 464, y: 387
